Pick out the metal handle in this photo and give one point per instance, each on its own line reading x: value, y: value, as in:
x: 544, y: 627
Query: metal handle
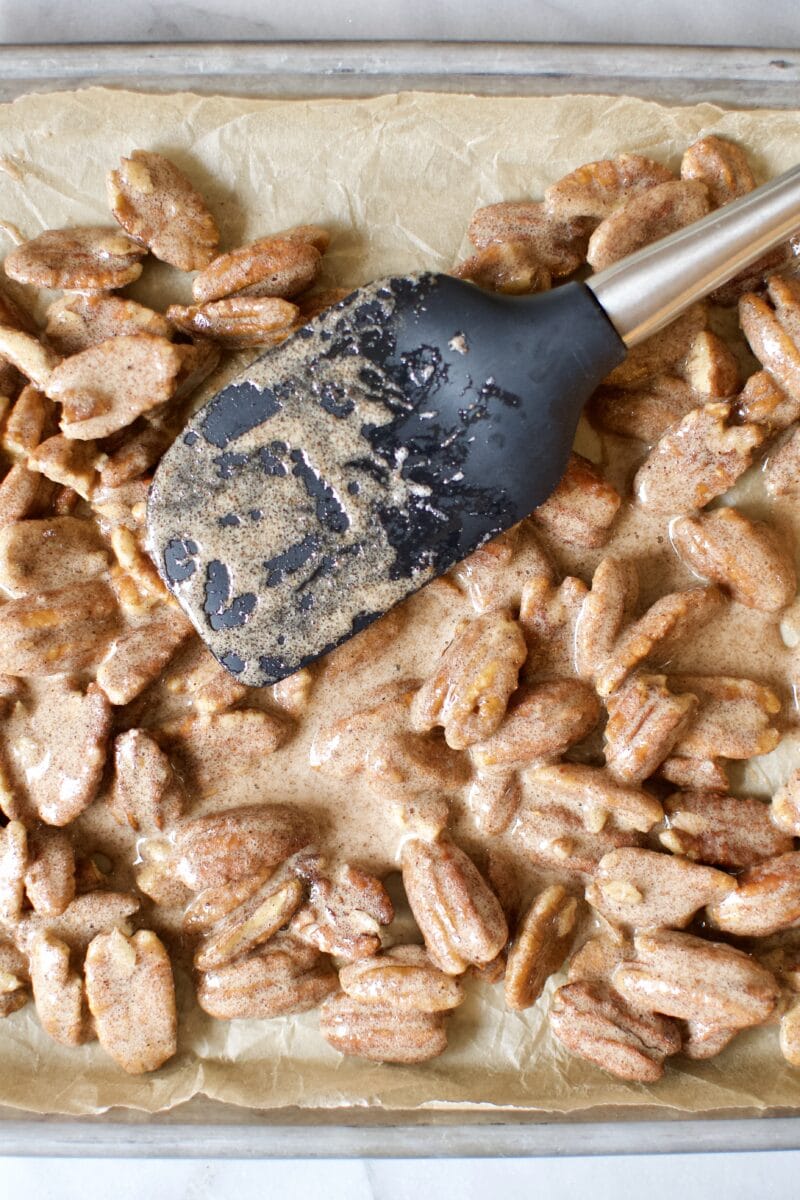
x: 644, y: 292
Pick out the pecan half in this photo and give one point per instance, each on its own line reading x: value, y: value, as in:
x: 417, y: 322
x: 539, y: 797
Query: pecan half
x: 782, y: 468
x: 282, y: 977
x: 701, y: 774
x: 50, y: 876
x: 605, y: 610
x: 14, y: 979
x: 583, y: 506
x: 540, y: 946
x: 86, y: 916
x: 511, y: 268
x: 645, y: 217
x: 785, y: 807
x: 734, y: 719
x: 560, y: 246
x: 271, y: 266
x: 238, y: 321
x: 145, y: 794
x: 696, y: 460
x: 642, y: 889
x: 70, y: 463
x: 548, y: 616
x: 157, y: 205
x: 595, y: 189
x: 765, y: 403
x: 28, y: 423
x: 593, y: 795
x: 766, y: 901
x: 39, y: 555
x: 495, y: 575
x: 721, y: 165
x: 403, y: 977
x: 554, y: 836
x: 82, y: 259
x: 373, y: 1031
x: 542, y: 722
x: 684, y: 976
x: 493, y: 799
x: 705, y: 1041
x: 66, y: 629
x: 14, y: 859
x: 252, y: 922
x: 108, y: 386
x: 238, y: 842
x: 469, y: 691
x: 208, y: 747
x: 459, y: 915
x: 131, y: 995
x: 209, y: 906
x: 772, y: 335
x: 25, y: 352
x: 596, y: 1024
x: 58, y: 991
x: 645, y: 720
x: 22, y: 493
x: 345, y: 910
x: 52, y: 750
x: 645, y: 412
x: 664, y: 351
x: 137, y: 658
x: 78, y: 321
x: 711, y: 368
x: 744, y: 556
x: 727, y: 831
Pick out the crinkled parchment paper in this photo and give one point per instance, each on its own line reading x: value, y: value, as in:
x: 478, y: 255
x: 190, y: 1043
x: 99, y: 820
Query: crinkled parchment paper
x: 396, y: 179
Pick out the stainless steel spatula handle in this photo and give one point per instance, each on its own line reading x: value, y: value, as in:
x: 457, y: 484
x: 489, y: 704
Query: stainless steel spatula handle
x: 647, y: 290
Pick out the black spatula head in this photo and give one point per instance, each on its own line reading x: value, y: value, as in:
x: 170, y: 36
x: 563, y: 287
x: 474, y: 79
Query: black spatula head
x: 377, y: 447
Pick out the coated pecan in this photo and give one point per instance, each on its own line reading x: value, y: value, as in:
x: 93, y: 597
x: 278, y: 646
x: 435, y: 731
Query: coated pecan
x: 146, y: 794
x: 665, y: 351
x: 605, y: 611
x: 493, y: 799
x: 734, y: 718
x: 548, y: 616
x: 66, y: 629
x: 782, y: 468
x: 694, y: 773
x: 459, y: 915
x: 70, y: 463
x: 39, y: 555
x: 512, y: 268
x: 560, y: 246
x: 542, y: 722
x: 52, y: 750
x: 554, y: 836
x: 595, y: 189
x: 14, y: 979
x: 495, y: 574
x: 469, y: 691
x: 238, y: 321
x: 131, y: 995
x: 645, y: 412
x: 596, y: 1024
x: 14, y: 860
x: 137, y: 658
x: 721, y: 165
x: 766, y: 901
x: 58, y: 991
x: 83, y: 259
x: 80, y: 320
x: 378, y: 742
x: 29, y: 421
x: 22, y: 493
x: 772, y: 337
x: 283, y: 976
x: 270, y: 266
x: 203, y: 681
x: 645, y: 217
x: 25, y: 352
x: 108, y: 386
x: 238, y: 842
x: 785, y: 807
x: 765, y: 403
x: 705, y: 1041
x: 50, y: 875
x: 711, y: 368
x: 642, y: 889
x: 403, y: 977
x: 209, y: 906
x: 696, y: 460
x: 252, y: 922
x: 345, y: 911
x: 86, y: 916
x: 727, y: 831
x: 671, y: 617
x: 210, y: 746
x: 583, y: 506
x: 156, y: 204
x: 742, y: 555
x: 593, y: 795
x: 684, y: 976
x: 645, y: 720
x: 599, y: 957
x: 540, y: 946
x: 373, y: 1031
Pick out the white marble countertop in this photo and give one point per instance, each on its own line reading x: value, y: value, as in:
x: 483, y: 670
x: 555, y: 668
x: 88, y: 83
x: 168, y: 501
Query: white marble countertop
x: 712, y: 22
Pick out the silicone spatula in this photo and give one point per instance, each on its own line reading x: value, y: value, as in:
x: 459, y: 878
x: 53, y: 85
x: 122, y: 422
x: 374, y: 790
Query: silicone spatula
x: 401, y: 429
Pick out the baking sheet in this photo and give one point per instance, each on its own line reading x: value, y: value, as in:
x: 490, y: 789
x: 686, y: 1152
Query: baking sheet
x: 396, y: 179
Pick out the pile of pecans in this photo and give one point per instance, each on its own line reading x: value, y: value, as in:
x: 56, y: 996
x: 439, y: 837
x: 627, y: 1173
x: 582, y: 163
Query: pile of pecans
x: 560, y: 736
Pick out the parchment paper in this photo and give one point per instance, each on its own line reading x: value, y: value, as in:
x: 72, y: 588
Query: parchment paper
x: 396, y: 180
